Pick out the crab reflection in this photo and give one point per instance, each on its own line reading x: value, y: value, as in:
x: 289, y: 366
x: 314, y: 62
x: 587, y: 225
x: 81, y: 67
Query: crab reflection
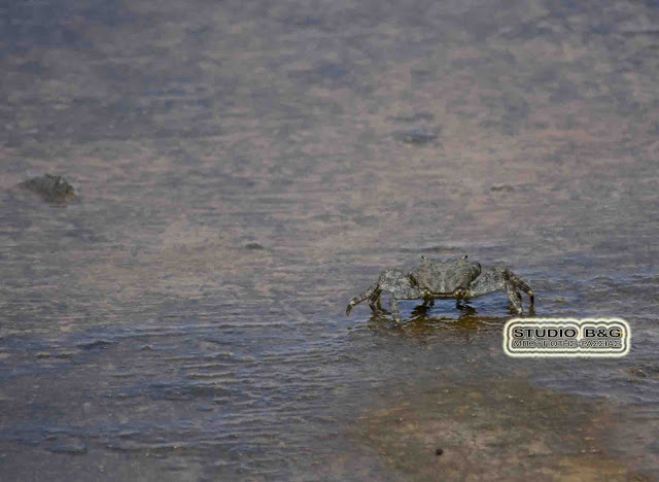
x: 422, y: 321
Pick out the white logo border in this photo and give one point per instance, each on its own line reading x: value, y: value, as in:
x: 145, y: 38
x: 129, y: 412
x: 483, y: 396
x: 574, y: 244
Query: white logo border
x: 576, y: 354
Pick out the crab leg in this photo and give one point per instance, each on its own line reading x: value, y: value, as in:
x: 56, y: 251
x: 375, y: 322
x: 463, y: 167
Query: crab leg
x: 520, y: 284
x: 500, y: 279
x: 374, y: 301
x: 373, y: 296
x: 514, y: 297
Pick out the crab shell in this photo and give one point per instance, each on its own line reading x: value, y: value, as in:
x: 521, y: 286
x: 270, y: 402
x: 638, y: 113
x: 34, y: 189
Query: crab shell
x: 445, y: 278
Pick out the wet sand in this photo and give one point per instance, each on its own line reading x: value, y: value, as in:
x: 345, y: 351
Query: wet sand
x: 245, y: 169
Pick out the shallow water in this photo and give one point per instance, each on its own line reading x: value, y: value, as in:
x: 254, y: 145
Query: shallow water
x: 244, y: 169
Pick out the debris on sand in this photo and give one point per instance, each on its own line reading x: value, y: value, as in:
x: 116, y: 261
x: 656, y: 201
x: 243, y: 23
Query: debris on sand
x: 53, y: 189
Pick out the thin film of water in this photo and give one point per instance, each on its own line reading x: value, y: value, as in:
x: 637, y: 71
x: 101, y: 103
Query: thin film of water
x: 244, y: 170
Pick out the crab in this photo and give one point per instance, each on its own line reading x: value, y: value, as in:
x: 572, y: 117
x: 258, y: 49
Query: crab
x: 443, y: 279
x: 459, y: 279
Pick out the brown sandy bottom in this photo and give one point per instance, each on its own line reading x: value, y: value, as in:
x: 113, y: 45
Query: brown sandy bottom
x: 503, y: 429
x: 245, y: 168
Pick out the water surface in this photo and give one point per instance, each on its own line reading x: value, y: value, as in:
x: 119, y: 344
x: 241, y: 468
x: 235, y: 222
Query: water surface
x: 246, y: 168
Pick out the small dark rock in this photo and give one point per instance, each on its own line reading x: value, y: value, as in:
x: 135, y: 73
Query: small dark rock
x: 439, y: 452
x: 502, y: 188
x: 55, y: 354
x: 254, y: 245
x: 417, y: 117
x: 73, y: 448
x: 417, y: 136
x: 53, y: 189
x: 91, y: 345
